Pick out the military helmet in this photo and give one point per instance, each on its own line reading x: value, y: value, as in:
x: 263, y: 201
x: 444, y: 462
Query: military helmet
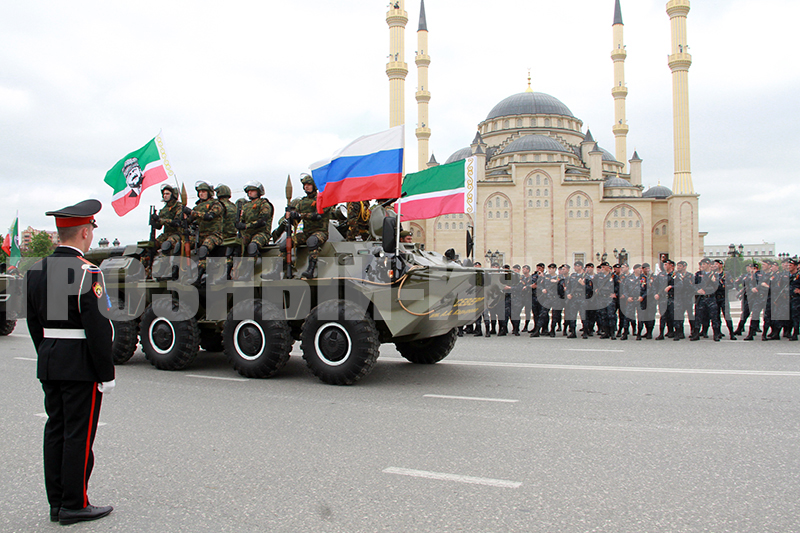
x: 203, y: 186
x: 223, y: 191
x: 253, y: 184
x: 305, y: 178
x: 170, y: 188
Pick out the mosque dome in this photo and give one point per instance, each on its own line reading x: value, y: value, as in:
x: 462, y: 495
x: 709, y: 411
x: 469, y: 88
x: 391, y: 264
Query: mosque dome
x: 659, y: 191
x: 618, y: 183
x: 458, y: 155
x: 607, y: 156
x: 529, y: 103
x: 535, y: 143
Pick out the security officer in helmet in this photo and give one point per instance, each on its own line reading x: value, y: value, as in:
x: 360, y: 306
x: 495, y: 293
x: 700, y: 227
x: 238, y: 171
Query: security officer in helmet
x: 229, y: 211
x: 255, y: 219
x: 315, y: 225
x: 169, y: 218
x: 208, y: 214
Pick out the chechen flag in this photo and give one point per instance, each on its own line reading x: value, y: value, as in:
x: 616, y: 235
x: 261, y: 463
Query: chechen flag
x: 368, y: 168
x: 441, y: 190
x: 136, y: 172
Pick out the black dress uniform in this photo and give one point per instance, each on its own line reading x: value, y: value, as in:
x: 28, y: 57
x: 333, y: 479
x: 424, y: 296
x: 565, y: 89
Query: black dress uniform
x: 73, y: 341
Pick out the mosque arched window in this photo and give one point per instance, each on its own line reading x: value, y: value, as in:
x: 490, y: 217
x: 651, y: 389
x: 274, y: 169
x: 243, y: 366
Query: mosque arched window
x: 446, y: 225
x: 547, y: 123
x: 616, y: 212
x: 538, y: 203
x: 664, y: 229
x: 550, y: 157
x: 657, y: 231
x: 560, y: 123
x: 638, y: 224
x: 538, y: 192
x: 579, y: 214
x: 530, y: 181
x: 608, y: 224
x: 538, y: 179
x: 546, y: 203
x: 505, y: 203
x: 505, y: 214
x: 630, y: 213
x: 547, y: 192
x: 505, y: 124
x: 530, y: 192
x: 490, y: 214
x: 519, y: 122
x: 630, y: 223
x: 570, y: 203
x: 546, y: 181
x: 439, y: 225
x: 530, y: 203
x: 586, y: 213
x: 570, y: 214
x: 460, y: 225
x: 616, y: 223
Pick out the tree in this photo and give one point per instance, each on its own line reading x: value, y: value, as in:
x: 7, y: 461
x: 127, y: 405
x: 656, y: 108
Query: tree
x: 41, y: 245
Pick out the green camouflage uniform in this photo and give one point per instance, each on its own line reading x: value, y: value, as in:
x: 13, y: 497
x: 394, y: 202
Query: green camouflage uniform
x: 169, y: 213
x: 210, y: 230
x: 228, y: 218
x: 358, y: 221
x: 257, y: 214
x: 307, y: 207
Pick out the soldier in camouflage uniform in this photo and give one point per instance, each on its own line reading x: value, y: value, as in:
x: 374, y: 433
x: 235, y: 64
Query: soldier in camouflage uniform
x: 169, y: 218
x: 229, y: 211
x: 255, y: 219
x: 208, y: 214
x: 358, y: 221
x: 315, y: 228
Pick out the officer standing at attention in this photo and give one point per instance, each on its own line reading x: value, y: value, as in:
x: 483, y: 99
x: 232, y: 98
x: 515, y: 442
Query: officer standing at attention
x: 73, y: 342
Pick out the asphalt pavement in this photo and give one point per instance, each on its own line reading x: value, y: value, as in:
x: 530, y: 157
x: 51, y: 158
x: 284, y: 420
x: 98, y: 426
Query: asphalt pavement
x: 506, y: 434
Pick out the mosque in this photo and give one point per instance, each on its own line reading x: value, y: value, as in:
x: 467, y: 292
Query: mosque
x: 546, y: 191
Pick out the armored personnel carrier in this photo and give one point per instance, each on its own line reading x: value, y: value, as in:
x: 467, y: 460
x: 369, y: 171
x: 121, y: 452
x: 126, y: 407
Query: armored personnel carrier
x: 364, y: 294
x: 8, y: 289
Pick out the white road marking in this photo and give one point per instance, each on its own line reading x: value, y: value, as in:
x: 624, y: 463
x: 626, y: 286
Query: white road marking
x: 468, y: 398
x: 453, y: 477
x: 723, y: 372
x: 215, y: 377
x: 788, y: 353
x: 26, y: 358
x: 590, y: 350
x: 44, y: 415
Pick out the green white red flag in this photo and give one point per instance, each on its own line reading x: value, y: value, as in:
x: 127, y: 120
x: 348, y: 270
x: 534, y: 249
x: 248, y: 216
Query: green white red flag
x: 136, y: 172
x: 11, y: 243
x: 441, y: 190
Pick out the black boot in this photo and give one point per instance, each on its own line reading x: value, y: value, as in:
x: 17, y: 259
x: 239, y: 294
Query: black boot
x: 524, y: 327
x: 311, y: 270
x: 753, y: 331
x: 275, y: 273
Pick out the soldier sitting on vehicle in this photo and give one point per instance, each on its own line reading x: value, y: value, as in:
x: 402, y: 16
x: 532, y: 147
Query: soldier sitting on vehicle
x: 358, y: 221
x: 255, y: 219
x: 229, y: 211
x: 208, y: 214
x: 169, y: 218
x: 314, y: 232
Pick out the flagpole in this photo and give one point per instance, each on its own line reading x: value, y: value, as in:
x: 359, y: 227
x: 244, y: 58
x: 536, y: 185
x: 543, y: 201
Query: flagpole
x: 397, y: 232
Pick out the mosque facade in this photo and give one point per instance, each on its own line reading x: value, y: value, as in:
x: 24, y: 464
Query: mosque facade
x: 546, y: 191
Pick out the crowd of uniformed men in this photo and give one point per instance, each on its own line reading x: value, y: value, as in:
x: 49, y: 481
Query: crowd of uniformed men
x: 617, y: 302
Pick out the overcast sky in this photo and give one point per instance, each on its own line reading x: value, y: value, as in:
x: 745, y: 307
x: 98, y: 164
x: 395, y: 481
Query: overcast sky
x: 261, y: 90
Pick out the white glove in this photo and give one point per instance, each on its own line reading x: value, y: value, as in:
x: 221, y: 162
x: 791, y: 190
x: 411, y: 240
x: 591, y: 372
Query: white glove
x: 106, y: 386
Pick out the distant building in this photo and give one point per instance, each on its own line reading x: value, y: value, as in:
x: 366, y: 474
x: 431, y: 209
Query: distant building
x: 762, y: 250
x: 29, y: 233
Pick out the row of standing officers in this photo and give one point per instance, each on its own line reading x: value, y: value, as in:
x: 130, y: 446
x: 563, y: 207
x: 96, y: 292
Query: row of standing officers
x: 619, y: 302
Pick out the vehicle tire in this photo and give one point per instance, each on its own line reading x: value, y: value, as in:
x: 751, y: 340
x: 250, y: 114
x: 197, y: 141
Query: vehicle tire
x: 257, y: 347
x: 169, y: 343
x: 211, y: 341
x: 126, y: 334
x: 343, y: 350
x: 7, y: 326
x: 428, y: 351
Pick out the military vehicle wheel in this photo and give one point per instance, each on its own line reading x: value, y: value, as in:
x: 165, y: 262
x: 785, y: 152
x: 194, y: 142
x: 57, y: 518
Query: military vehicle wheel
x: 126, y: 334
x: 340, y: 350
x: 257, y: 347
x: 428, y: 351
x: 169, y: 343
x: 6, y: 327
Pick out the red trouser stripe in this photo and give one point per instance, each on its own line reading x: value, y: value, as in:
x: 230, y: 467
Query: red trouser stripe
x: 89, y: 445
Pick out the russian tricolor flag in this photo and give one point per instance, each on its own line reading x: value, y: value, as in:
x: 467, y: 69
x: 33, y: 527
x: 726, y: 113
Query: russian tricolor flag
x: 368, y: 168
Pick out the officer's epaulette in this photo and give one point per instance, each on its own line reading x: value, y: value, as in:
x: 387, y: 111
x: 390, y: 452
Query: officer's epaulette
x: 88, y: 265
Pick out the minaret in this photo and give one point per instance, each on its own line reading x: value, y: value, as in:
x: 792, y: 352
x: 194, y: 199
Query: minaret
x: 423, y: 95
x: 619, y: 91
x: 396, y: 68
x: 679, y: 63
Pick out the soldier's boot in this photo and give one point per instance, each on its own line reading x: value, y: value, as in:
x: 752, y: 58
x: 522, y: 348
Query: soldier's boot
x: 311, y: 270
x: 494, y: 327
x: 731, y: 331
x: 486, y: 328
x: 476, y: 331
x: 468, y: 329
x: 460, y: 331
x: 524, y: 327
x: 765, y: 336
x: 570, y: 326
x: 537, y: 331
x: 739, y: 327
x: 515, y: 328
x: 753, y: 331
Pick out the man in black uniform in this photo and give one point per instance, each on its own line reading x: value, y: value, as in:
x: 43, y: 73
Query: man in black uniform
x: 794, y: 294
x: 663, y: 294
x: 577, y: 287
x: 73, y: 341
x: 707, y: 283
x: 683, y: 298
